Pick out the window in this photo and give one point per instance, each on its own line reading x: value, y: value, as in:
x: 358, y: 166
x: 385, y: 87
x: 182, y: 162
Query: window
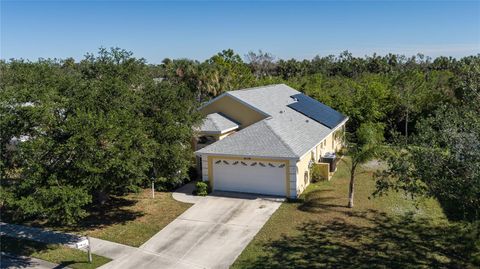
x: 305, y: 178
x: 206, y: 139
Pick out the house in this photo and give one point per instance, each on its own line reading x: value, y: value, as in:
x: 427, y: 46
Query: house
x: 265, y: 140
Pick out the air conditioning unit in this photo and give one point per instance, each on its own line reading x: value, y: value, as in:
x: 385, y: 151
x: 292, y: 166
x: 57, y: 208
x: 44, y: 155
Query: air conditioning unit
x: 330, y: 158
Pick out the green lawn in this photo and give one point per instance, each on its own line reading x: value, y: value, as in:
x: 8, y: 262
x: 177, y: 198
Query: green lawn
x: 387, y: 232
x: 129, y: 220
x: 133, y: 219
x: 63, y: 256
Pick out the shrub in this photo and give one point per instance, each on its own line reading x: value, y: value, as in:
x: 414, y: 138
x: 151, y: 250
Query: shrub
x: 201, y: 188
x: 316, y: 174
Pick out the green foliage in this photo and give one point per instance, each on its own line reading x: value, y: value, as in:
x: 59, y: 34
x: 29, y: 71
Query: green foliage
x: 443, y: 160
x: 222, y: 72
x: 93, y: 129
x: 169, y: 122
x: 351, y: 96
x: 316, y: 174
x: 57, y: 204
x: 201, y: 188
x: 363, y: 146
x: 111, y: 123
x: 366, y: 144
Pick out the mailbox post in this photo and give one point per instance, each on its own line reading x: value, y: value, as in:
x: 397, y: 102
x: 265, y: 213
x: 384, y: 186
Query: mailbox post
x: 153, y: 189
x: 86, y: 244
x: 89, y: 250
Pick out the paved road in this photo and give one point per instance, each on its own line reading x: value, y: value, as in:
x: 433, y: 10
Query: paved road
x: 210, y: 234
x: 13, y: 262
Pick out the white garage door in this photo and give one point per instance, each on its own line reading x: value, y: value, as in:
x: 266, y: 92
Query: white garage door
x: 249, y: 176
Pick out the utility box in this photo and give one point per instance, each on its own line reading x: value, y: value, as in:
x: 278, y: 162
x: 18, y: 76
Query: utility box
x: 331, y: 159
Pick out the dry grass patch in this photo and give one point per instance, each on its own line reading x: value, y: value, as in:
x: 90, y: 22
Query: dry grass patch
x: 386, y: 232
x: 129, y: 220
x: 133, y: 219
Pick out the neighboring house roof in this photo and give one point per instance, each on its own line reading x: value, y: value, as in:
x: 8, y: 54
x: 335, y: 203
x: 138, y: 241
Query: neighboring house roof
x: 217, y: 123
x: 285, y: 133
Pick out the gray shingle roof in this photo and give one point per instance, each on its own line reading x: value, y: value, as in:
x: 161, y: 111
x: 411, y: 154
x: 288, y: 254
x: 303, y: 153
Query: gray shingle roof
x: 217, y: 123
x: 286, y: 133
x: 256, y: 140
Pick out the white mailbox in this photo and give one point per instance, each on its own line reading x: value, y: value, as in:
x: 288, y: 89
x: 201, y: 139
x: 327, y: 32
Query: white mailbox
x: 82, y: 244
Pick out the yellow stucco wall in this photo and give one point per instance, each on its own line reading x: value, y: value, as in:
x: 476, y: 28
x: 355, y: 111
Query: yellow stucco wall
x: 234, y: 110
x: 325, y: 146
x: 302, y: 167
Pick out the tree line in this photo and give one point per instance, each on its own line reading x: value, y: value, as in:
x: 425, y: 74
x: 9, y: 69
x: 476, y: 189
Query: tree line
x: 111, y: 123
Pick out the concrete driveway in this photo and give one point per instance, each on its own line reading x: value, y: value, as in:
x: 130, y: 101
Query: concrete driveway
x: 210, y: 234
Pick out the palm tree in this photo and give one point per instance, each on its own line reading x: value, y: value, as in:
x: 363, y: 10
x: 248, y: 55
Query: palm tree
x: 362, y: 147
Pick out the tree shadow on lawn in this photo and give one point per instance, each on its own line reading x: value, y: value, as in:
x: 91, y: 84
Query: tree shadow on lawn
x: 116, y: 210
x: 385, y: 242
x: 15, y: 252
x: 11, y: 261
x: 318, y: 201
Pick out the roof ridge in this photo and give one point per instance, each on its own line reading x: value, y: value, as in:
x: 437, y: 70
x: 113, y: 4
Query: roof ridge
x: 258, y: 87
x: 215, y: 123
x: 279, y: 138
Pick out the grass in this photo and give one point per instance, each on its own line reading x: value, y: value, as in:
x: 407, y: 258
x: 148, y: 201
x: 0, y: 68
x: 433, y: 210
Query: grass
x: 142, y: 217
x: 129, y: 220
x: 393, y: 231
x: 61, y: 255
x: 133, y: 219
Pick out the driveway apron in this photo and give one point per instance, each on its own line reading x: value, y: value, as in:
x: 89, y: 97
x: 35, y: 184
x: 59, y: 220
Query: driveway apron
x: 210, y: 234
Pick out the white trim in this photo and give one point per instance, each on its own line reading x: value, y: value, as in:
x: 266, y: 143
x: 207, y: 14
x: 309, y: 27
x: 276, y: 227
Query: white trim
x: 213, y: 100
x: 245, y: 156
x: 218, y: 132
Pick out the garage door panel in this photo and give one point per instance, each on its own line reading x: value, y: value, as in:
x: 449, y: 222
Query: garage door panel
x: 249, y: 176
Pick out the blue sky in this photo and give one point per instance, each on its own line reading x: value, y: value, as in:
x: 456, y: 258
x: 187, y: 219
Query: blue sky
x: 185, y: 29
